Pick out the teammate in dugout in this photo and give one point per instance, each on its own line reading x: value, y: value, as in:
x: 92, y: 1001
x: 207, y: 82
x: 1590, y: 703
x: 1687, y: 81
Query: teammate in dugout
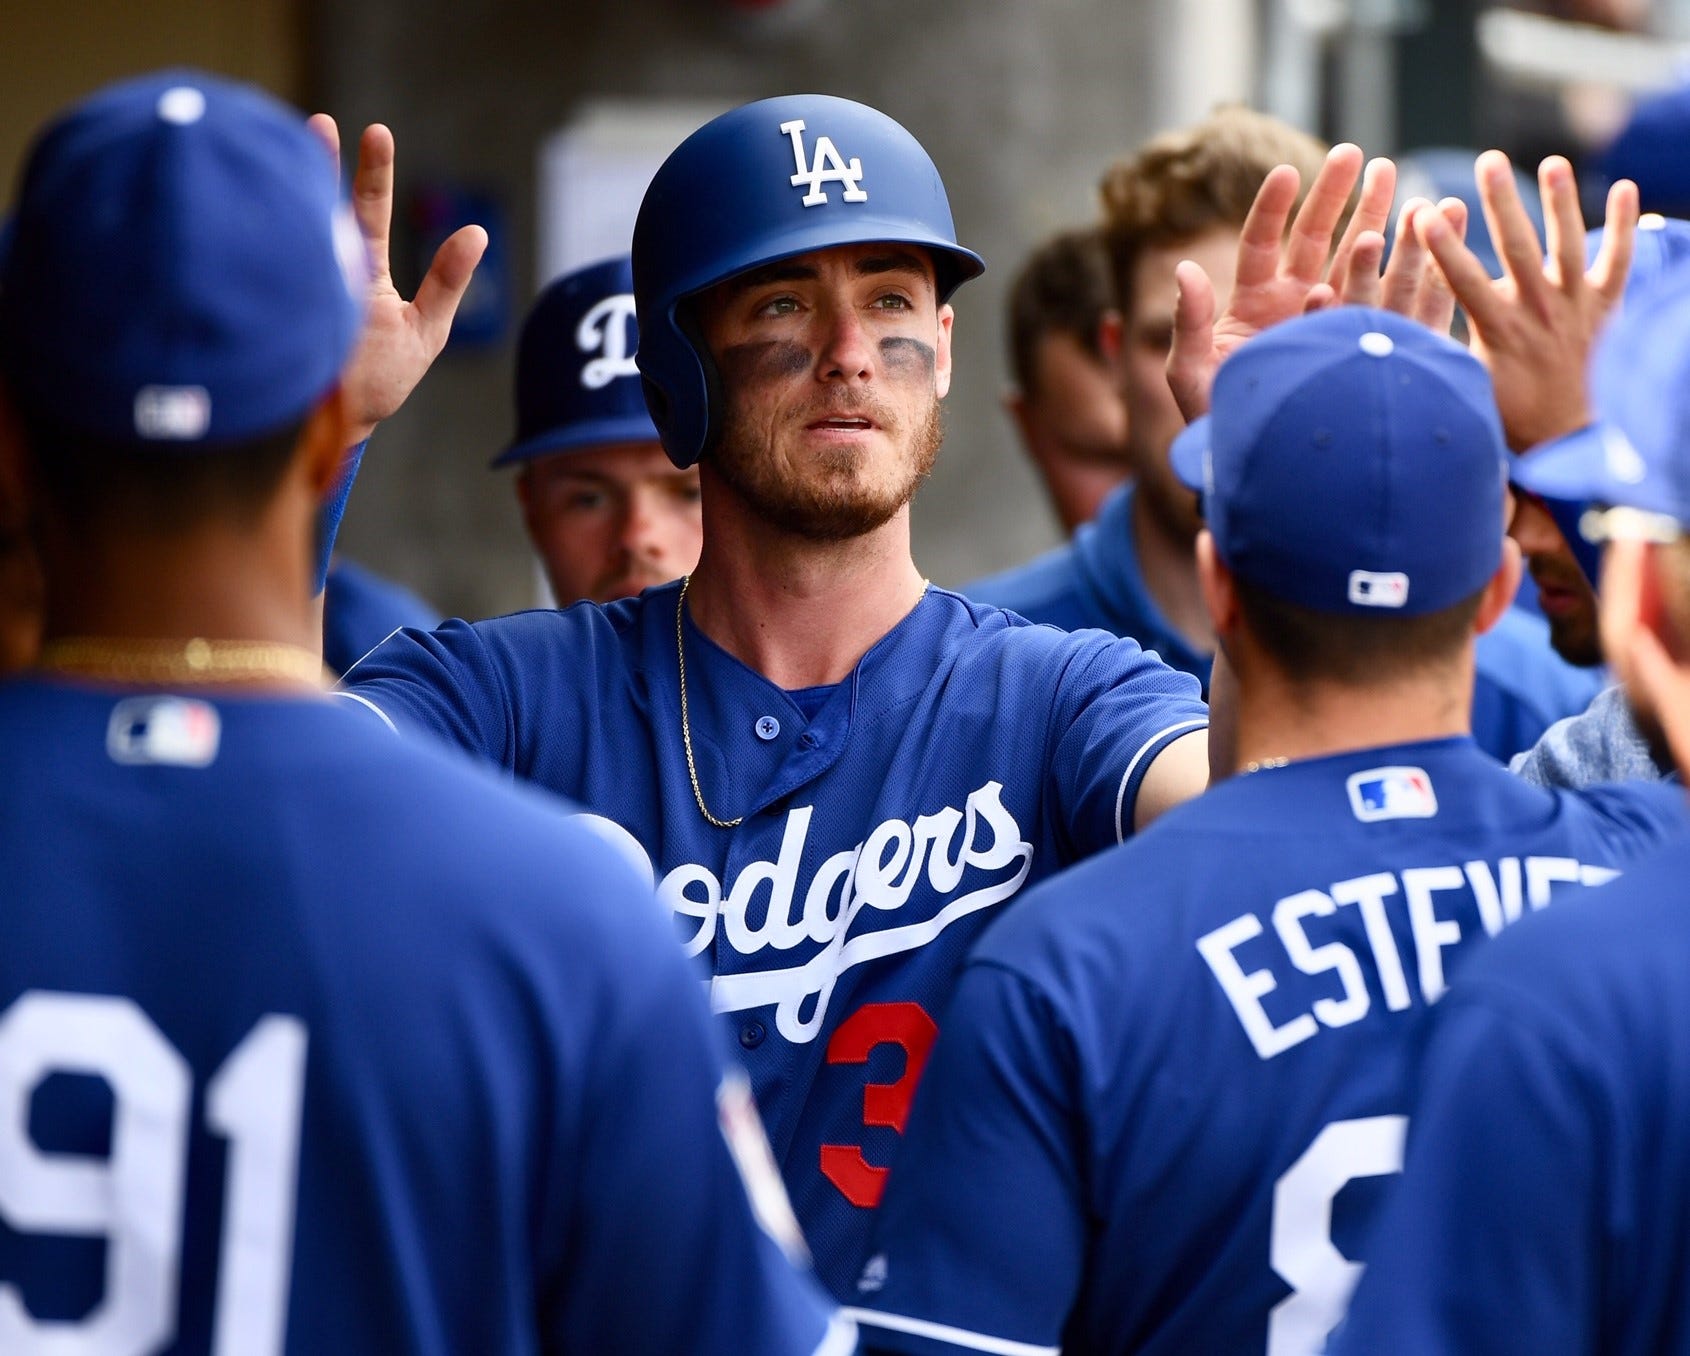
x: 1546, y: 1195
x: 607, y: 512
x: 310, y: 1041
x: 834, y: 773
x: 1168, y: 1083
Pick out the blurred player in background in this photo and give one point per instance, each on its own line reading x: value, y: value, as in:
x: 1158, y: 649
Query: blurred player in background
x: 1175, y: 1060
x: 834, y: 773
x: 607, y: 511
x: 310, y: 1041
x: 1065, y: 401
x: 1545, y: 1205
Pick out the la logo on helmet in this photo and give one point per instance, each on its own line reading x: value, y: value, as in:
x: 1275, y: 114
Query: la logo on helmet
x: 827, y: 166
x: 604, y: 330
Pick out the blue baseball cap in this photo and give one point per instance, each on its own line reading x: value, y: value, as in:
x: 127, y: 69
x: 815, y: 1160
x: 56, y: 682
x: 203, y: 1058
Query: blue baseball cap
x: 1352, y: 461
x: 181, y: 270
x: 576, y: 382
x: 1637, y: 455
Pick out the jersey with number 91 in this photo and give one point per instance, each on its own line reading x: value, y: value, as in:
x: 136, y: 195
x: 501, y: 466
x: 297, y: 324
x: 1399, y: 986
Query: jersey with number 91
x: 1172, y: 1086
x: 312, y: 1042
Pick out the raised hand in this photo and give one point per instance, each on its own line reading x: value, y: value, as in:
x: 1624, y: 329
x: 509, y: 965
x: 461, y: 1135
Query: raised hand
x: 1280, y: 274
x: 1534, y: 326
x: 401, y: 338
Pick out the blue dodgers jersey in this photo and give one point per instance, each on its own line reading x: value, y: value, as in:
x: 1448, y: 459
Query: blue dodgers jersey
x: 1545, y: 1204
x: 1173, y: 1082
x: 967, y: 755
x: 312, y: 1042
x: 361, y: 609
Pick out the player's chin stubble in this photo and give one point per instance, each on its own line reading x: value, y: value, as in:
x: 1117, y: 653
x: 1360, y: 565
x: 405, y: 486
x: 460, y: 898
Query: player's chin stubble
x: 830, y: 500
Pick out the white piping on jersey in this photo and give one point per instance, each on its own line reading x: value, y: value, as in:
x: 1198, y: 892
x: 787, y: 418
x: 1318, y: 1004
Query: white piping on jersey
x: 1127, y: 776
x: 365, y: 701
x: 957, y: 1337
x: 840, y: 1339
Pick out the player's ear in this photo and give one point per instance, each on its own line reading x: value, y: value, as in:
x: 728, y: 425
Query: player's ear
x: 942, y: 352
x: 1620, y: 605
x: 1111, y: 334
x: 1499, y: 593
x: 1220, y: 594
x: 323, y: 445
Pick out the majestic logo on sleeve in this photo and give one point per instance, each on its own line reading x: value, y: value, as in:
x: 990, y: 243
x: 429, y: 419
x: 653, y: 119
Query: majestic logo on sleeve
x: 604, y: 330
x: 961, y: 861
x: 827, y: 166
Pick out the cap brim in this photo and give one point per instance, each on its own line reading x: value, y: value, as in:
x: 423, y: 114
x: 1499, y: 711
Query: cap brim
x: 1188, y: 453
x: 575, y: 437
x: 1573, y: 468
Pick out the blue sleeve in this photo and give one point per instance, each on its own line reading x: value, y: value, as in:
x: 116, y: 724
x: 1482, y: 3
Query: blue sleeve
x: 333, y: 510
x: 1489, y: 1243
x: 1118, y: 707
x: 445, y: 683
x: 980, y: 1244
x: 671, y: 1194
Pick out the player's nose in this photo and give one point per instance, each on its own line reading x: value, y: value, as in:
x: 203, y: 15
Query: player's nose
x: 847, y: 352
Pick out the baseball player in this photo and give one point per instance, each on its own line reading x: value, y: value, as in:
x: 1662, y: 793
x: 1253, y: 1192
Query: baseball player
x: 1168, y: 1084
x: 310, y: 1041
x: 1185, y: 195
x: 607, y: 511
x: 1546, y: 1197
x: 1064, y: 400
x: 835, y: 773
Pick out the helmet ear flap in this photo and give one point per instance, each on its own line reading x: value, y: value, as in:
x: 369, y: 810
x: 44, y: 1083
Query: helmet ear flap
x: 686, y: 321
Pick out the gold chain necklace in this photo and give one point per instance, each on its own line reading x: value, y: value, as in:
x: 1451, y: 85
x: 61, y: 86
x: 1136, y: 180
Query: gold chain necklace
x: 1264, y: 765
x: 686, y: 725
x: 175, y: 661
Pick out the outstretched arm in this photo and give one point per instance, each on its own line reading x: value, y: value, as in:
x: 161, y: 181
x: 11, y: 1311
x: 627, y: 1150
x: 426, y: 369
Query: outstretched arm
x: 1534, y: 326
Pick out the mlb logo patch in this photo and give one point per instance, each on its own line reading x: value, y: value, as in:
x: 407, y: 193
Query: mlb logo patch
x: 1374, y: 588
x: 1392, y: 793
x: 164, y: 731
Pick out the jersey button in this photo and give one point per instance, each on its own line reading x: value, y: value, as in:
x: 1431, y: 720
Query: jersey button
x: 767, y: 728
x: 751, y: 1035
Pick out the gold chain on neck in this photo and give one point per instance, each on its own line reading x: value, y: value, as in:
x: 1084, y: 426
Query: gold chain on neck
x: 1262, y: 766
x: 198, y: 661
x: 686, y: 725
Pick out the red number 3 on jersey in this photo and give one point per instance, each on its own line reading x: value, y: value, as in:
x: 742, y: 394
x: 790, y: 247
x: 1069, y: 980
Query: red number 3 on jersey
x: 907, y: 1026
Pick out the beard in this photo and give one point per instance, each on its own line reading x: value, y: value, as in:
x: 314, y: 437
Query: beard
x: 831, y: 498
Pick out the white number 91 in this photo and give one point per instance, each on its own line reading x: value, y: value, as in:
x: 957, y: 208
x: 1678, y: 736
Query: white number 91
x: 134, y: 1198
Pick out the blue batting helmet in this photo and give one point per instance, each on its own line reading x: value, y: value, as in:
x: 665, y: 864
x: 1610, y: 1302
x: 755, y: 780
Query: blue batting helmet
x: 767, y: 181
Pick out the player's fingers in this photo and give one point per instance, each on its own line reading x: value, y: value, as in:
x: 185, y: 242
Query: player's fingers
x: 1320, y: 297
x: 1372, y: 213
x: 447, y: 280
x: 324, y: 128
x: 1361, y: 284
x: 1461, y: 269
x: 1563, y: 222
x: 1264, y: 227
x: 1511, y: 228
x: 372, y: 193
x: 1191, y: 360
x: 1409, y: 261
x: 1310, y: 241
x: 1612, y: 265
x: 1434, y: 302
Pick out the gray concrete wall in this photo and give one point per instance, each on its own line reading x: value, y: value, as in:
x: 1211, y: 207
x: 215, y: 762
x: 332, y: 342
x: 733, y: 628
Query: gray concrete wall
x: 1020, y: 103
